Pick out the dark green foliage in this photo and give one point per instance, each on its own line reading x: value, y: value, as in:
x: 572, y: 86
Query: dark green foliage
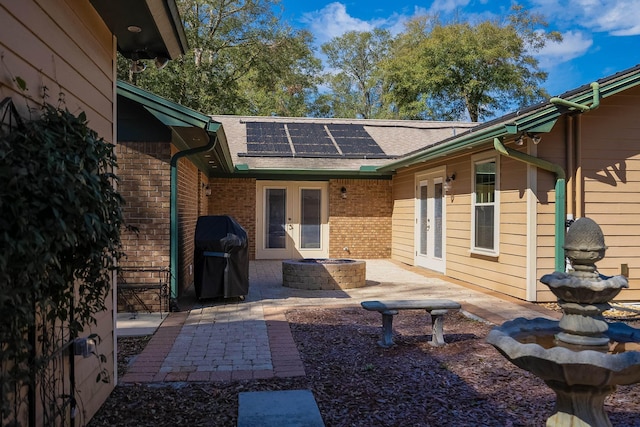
x: 60, y: 221
x: 242, y: 59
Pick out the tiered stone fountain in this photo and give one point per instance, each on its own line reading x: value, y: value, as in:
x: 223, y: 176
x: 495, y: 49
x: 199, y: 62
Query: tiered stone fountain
x: 582, y: 357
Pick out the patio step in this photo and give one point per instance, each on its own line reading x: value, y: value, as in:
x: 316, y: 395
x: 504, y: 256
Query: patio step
x: 288, y: 408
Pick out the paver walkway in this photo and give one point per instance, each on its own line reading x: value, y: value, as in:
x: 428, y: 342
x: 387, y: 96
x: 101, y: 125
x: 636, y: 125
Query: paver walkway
x: 251, y: 339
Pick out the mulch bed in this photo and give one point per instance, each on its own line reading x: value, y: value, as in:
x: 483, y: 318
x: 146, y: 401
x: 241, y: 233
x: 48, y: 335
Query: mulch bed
x: 356, y: 383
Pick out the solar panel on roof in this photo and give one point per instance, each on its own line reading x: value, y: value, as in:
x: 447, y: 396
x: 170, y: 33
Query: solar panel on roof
x: 267, y: 138
x: 311, y: 139
x: 354, y: 140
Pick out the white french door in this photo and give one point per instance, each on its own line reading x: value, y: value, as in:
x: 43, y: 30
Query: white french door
x: 430, y: 225
x: 292, y: 220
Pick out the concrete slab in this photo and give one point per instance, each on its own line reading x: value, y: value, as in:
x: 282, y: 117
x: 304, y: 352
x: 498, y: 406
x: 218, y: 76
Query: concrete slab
x: 128, y: 325
x: 288, y: 408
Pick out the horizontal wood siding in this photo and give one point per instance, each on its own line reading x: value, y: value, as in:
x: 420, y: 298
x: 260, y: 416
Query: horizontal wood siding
x: 65, y: 47
x: 403, y: 217
x: 611, y: 176
x: 507, y: 272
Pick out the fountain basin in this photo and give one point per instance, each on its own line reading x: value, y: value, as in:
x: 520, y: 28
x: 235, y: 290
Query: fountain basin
x: 598, y: 367
x: 570, y: 288
x: 323, y: 273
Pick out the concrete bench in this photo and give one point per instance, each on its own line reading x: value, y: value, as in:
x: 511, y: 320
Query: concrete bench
x: 436, y: 307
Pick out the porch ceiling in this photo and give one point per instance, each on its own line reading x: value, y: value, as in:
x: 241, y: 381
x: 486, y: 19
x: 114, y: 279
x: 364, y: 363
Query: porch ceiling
x: 145, y: 29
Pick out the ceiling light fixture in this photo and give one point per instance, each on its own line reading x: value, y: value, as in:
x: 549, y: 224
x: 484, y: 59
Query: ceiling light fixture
x: 137, y: 66
x: 161, y: 62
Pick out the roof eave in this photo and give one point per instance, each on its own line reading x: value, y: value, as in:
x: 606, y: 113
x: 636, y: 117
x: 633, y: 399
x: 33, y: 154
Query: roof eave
x: 371, y: 172
x: 539, y: 118
x: 183, y: 121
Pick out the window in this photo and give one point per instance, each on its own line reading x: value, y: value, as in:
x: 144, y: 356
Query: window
x: 485, y: 205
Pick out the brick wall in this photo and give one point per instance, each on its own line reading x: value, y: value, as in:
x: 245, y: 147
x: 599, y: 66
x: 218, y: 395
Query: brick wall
x: 360, y: 222
x: 191, y: 204
x: 144, y: 183
x: 237, y: 198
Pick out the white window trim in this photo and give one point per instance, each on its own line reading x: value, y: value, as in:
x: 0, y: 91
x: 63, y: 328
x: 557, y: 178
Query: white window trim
x: 484, y: 158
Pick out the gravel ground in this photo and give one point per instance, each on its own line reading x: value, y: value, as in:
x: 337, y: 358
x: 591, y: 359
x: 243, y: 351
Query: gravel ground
x: 356, y: 383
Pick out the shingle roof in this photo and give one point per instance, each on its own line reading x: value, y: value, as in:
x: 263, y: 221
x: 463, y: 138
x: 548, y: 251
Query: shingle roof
x: 395, y: 138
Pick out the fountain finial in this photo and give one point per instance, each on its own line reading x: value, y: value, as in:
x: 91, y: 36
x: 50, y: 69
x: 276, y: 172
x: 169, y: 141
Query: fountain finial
x: 582, y: 293
x: 584, y: 246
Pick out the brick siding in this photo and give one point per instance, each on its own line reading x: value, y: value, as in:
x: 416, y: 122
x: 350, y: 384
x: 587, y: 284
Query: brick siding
x: 360, y: 222
x: 236, y: 198
x: 144, y: 183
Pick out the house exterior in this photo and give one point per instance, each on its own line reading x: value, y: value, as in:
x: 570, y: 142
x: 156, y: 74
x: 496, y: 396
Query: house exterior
x: 504, y: 218
x: 338, y: 205
x: 482, y: 203
x: 69, y: 47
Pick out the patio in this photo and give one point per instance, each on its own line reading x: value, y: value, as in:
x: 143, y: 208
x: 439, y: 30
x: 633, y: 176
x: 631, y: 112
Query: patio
x: 251, y: 339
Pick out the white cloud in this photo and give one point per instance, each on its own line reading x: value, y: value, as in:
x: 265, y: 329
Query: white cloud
x: 615, y: 17
x: 333, y: 21
x: 620, y: 18
x: 573, y: 45
x: 447, y: 5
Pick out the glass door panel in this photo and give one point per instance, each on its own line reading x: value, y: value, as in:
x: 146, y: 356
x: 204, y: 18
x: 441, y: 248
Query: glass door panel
x: 310, y: 218
x: 293, y: 220
x: 275, y: 218
x: 430, y: 231
x: 437, y: 220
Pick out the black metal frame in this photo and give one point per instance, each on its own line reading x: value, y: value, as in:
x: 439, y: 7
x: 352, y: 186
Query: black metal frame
x: 129, y: 288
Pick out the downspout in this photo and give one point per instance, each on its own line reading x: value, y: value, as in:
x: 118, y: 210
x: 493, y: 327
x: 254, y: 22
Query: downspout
x: 173, y: 238
x: 582, y: 107
x: 571, y: 172
x: 578, y: 172
x: 560, y: 194
x: 575, y: 170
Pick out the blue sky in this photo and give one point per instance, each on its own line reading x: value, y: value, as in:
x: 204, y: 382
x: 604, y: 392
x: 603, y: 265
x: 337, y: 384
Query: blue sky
x: 600, y: 37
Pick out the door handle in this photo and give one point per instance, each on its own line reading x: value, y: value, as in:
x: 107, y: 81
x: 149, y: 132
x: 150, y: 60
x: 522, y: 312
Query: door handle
x: 290, y: 226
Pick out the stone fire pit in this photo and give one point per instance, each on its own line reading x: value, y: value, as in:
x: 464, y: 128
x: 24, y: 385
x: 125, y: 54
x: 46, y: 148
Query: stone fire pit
x: 323, y: 273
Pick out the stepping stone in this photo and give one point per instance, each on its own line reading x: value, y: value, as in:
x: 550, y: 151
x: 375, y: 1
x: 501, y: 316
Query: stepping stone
x: 288, y: 408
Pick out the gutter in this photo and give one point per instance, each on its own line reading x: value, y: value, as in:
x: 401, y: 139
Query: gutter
x: 560, y: 194
x: 583, y: 108
x: 173, y: 237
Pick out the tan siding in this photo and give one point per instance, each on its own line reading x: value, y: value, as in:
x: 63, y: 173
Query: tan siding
x: 65, y: 46
x: 65, y: 55
x: 507, y: 272
x: 403, y: 218
x: 611, y: 171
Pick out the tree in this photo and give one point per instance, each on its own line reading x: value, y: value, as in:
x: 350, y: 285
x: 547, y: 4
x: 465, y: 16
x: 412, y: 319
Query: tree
x: 459, y: 71
x: 356, y: 86
x: 241, y: 60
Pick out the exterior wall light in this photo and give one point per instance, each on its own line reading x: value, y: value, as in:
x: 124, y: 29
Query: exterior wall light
x: 448, y: 183
x: 343, y: 190
x: 534, y: 137
x: 207, y: 189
